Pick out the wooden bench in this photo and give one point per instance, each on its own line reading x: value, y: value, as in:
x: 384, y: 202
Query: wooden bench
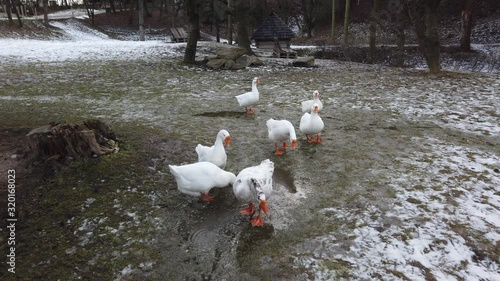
x: 179, y: 34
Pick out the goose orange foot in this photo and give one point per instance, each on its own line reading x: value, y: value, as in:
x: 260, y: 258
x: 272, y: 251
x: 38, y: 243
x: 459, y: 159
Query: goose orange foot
x: 257, y: 221
x: 248, y: 211
x: 206, y: 198
x: 309, y: 139
x: 318, y: 138
x: 285, y: 146
x: 250, y: 111
x: 279, y: 152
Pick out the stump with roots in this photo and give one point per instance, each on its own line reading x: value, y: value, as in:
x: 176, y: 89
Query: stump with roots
x: 90, y: 138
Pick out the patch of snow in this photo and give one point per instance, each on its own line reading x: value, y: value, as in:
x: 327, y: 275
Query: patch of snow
x: 454, y: 191
x: 81, y: 44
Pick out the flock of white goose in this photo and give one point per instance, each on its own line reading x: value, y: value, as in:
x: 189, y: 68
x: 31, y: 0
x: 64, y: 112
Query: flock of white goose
x: 253, y: 184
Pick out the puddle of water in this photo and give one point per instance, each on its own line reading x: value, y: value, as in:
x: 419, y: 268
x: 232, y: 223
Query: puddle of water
x: 285, y: 178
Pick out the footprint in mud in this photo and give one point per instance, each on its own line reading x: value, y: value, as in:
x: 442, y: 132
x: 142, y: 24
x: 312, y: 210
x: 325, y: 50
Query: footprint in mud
x: 203, y: 239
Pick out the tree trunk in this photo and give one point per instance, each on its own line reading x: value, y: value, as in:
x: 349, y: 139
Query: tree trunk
x: 229, y: 24
x: 90, y: 11
x: 400, y: 59
x: 334, y: 3
x: 373, y: 31
x: 241, y: 11
x: 131, y: 15
x: 217, y: 31
x: 112, y: 6
x: 194, y: 33
x: 424, y: 17
x: 141, y: 20
x: 46, y: 12
x: 174, y: 14
x: 466, y: 26
x: 145, y: 8
x: 307, y: 12
x: 17, y: 14
x: 8, y: 8
x: 72, y: 141
x: 346, y: 21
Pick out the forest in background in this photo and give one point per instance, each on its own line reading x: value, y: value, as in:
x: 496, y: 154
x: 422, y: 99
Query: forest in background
x: 319, y: 22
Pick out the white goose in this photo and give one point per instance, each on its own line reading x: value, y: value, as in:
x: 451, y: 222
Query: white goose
x: 250, y: 98
x: 216, y: 153
x: 199, y: 178
x: 311, y: 124
x: 255, y: 184
x: 307, y: 105
x: 281, y: 131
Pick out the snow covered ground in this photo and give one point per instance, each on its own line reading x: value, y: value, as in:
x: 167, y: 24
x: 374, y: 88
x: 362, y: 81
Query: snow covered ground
x: 445, y: 218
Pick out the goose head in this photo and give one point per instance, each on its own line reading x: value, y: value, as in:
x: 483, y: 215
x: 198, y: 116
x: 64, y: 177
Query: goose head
x: 315, y: 108
x: 316, y: 95
x: 225, y: 137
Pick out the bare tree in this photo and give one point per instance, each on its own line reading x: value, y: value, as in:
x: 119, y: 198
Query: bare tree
x: 13, y: 5
x: 8, y: 10
x: 90, y: 10
x: 401, y: 25
x: 131, y: 15
x: 46, y: 12
x: 334, y: 8
x: 192, y: 8
x: 111, y: 5
x: 241, y: 11
x: 229, y: 24
x: 346, y: 21
x: 309, y: 9
x: 466, y: 26
x: 141, y: 20
x: 423, y: 14
x: 373, y: 30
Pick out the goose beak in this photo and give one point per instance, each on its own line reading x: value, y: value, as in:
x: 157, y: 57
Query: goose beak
x: 294, y: 144
x: 258, y: 81
x: 227, y: 141
x: 316, y: 109
x: 263, y: 206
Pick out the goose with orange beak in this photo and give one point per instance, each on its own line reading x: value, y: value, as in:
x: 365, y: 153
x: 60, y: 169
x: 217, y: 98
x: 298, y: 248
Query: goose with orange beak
x: 312, y: 124
x: 216, y: 153
x: 280, y: 131
x: 255, y: 185
x: 307, y: 105
x: 249, y: 99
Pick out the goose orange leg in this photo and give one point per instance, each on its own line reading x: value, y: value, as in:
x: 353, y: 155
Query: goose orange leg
x: 285, y: 146
x: 278, y: 152
x: 248, y: 211
x: 257, y: 221
x: 309, y: 139
x: 206, y: 198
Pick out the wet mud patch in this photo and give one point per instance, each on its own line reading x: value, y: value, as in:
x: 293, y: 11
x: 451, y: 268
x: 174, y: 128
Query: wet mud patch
x: 226, y: 114
x: 285, y: 178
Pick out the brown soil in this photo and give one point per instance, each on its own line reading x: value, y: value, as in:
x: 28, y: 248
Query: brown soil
x: 13, y: 156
